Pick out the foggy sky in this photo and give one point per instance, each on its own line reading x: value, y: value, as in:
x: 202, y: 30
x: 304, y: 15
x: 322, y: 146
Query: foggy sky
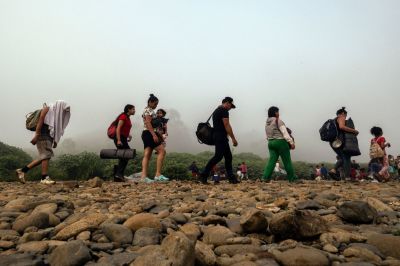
x: 309, y: 58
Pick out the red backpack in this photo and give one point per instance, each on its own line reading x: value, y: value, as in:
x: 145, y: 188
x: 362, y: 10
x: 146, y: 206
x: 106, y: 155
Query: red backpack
x: 112, y: 129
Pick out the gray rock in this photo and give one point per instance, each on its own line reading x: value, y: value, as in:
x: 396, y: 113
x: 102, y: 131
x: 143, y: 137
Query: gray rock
x: 146, y: 236
x: 101, y: 246
x: 234, y: 225
x: 357, y: 212
x: 192, y: 231
x: 204, y: 255
x: 301, y: 256
x: 213, y: 219
x: 91, y: 221
x: 297, y: 225
x: 254, y: 221
x: 39, y: 220
x: 35, y: 247
x: 117, y: 233
x: 308, y: 205
x: 21, y: 260
x: 74, y: 253
x: 179, y: 249
x: 217, y: 235
x: 180, y: 218
x: 121, y: 259
x: 45, y: 208
x: 387, y: 244
x: 232, y: 250
x: 143, y: 220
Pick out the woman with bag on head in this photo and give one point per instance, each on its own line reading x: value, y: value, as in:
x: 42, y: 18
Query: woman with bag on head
x: 49, y: 129
x: 279, y: 145
x: 122, y: 137
x: 152, y: 140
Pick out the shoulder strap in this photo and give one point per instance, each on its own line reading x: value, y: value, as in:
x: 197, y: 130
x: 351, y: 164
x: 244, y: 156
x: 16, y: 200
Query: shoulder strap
x: 211, y: 116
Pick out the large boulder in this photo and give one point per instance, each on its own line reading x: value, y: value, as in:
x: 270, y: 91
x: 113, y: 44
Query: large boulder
x: 74, y: 253
x: 92, y: 221
x: 39, y: 220
x: 254, y: 221
x: 217, y: 235
x: 357, y: 212
x: 387, y: 244
x: 143, y: 220
x: 301, y: 256
x: 49, y: 208
x: 117, y: 233
x: 297, y: 224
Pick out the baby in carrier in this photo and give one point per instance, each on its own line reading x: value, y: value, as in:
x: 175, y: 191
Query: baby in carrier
x: 162, y: 130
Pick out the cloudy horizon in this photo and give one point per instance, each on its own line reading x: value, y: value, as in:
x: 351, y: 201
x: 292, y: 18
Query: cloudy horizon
x: 308, y: 58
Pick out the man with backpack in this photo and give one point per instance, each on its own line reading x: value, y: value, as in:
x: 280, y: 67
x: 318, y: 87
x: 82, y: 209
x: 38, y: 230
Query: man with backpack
x: 49, y: 126
x: 222, y: 129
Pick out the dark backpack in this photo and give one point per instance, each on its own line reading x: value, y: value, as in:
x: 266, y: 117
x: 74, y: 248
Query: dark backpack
x: 205, y: 133
x: 328, y: 131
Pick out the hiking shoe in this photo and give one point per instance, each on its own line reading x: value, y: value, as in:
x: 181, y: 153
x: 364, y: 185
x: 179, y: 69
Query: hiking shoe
x: 161, y: 178
x: 119, y: 179
x: 20, y: 175
x: 47, y: 181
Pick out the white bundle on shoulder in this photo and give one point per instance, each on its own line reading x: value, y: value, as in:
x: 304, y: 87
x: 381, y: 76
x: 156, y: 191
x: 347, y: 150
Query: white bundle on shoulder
x: 57, y: 118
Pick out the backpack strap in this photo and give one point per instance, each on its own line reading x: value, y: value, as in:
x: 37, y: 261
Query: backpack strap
x: 211, y: 116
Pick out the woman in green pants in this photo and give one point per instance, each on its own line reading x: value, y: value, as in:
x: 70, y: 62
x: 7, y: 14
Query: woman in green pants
x: 279, y: 144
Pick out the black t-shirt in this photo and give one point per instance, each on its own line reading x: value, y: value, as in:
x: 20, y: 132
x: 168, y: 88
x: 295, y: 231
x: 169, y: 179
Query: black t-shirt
x: 219, y: 114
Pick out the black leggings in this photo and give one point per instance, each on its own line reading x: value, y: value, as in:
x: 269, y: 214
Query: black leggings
x: 122, y: 163
x: 222, y: 150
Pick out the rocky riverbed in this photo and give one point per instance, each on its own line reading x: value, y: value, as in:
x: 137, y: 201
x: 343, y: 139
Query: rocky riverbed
x: 184, y: 223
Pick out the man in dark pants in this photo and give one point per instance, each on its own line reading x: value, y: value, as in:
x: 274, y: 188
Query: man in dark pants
x: 222, y: 129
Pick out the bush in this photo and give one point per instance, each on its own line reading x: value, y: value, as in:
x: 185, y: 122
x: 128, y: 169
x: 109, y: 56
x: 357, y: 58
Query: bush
x: 11, y: 158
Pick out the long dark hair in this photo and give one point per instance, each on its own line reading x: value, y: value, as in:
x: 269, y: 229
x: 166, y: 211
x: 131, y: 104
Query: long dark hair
x: 152, y: 99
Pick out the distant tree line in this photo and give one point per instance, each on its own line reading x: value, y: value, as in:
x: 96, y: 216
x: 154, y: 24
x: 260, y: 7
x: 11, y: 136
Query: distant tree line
x: 86, y: 165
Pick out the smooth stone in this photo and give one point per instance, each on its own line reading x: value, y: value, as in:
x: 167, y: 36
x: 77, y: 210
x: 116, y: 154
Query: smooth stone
x: 204, y: 255
x: 357, y: 212
x: 118, y: 233
x: 74, y: 253
x: 217, y: 235
x: 143, y: 220
x: 91, y: 221
x: 146, y: 236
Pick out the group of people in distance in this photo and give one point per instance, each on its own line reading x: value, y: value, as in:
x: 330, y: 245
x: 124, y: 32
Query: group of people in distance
x: 54, y: 119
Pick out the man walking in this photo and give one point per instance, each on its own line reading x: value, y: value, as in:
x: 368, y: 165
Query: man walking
x: 222, y: 129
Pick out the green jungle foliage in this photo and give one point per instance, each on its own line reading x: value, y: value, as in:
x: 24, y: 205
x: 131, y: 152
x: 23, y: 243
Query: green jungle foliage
x: 86, y: 165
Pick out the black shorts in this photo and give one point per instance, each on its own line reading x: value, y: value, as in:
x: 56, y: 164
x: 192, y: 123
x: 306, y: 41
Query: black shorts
x: 148, y: 140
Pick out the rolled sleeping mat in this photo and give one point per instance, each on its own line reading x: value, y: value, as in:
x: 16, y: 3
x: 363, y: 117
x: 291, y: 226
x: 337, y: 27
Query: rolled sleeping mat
x: 118, y: 154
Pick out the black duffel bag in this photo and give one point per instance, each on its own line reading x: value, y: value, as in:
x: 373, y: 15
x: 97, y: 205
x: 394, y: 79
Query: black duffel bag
x: 205, y: 132
x: 350, y: 143
x: 118, y: 154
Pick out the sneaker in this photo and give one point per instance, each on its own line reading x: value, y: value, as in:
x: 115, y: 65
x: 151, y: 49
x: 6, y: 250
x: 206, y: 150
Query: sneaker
x: 161, y: 178
x: 147, y: 180
x: 20, y: 175
x: 47, y: 181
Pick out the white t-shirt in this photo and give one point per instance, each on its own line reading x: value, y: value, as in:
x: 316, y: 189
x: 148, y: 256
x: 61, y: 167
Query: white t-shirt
x: 148, y: 111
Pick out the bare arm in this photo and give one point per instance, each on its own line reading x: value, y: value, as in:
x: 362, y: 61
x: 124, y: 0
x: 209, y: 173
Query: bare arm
x: 39, y: 125
x: 229, y: 130
x: 343, y: 127
x: 147, y: 121
x: 119, y: 126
